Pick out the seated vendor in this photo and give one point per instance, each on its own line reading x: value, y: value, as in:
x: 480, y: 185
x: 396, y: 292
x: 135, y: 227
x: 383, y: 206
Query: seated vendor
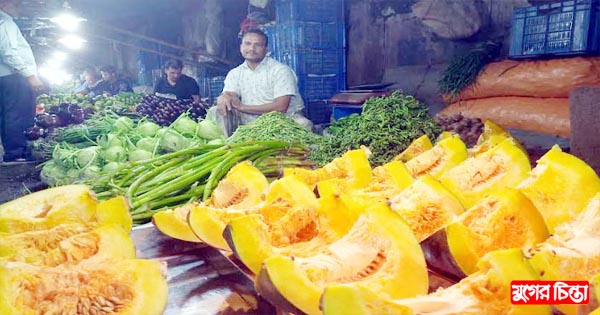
x: 257, y: 86
x: 176, y: 85
x: 110, y: 83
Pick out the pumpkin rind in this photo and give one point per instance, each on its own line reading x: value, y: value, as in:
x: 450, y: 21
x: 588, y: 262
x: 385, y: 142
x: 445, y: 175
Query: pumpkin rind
x: 504, y: 219
x: 173, y: 223
x: 254, y: 238
x: 560, y: 186
x: 485, y: 292
x: 416, y: 147
x: 379, y: 252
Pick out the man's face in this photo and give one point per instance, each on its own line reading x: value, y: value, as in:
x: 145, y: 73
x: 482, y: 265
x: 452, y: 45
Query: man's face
x: 107, y: 76
x: 89, y: 77
x: 253, y: 47
x: 173, y: 74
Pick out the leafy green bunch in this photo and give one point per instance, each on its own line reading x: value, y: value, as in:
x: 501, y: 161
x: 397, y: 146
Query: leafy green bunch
x: 387, y: 125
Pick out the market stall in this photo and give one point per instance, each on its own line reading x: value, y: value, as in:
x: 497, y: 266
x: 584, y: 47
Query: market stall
x: 147, y: 207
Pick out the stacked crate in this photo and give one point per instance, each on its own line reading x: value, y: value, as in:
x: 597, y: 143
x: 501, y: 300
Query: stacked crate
x: 562, y: 28
x: 309, y: 36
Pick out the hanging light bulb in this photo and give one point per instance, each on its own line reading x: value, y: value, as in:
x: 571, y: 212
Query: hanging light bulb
x: 67, y: 21
x: 72, y: 41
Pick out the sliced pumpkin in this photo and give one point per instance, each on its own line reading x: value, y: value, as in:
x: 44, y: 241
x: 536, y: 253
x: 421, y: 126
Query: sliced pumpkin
x: 487, y: 291
x: 445, y: 155
x: 572, y: 252
x: 173, y: 223
x: 353, y: 166
x: 504, y: 219
x: 114, y: 211
x: 299, y: 233
x: 125, y: 287
x: 416, y: 147
x: 64, y: 204
x: 67, y: 244
x: 379, y: 252
x: 491, y: 136
x: 388, y: 180
x: 504, y: 165
x: 46, y: 208
x: 244, y: 186
x: 426, y: 206
x: 560, y: 186
x: 208, y: 222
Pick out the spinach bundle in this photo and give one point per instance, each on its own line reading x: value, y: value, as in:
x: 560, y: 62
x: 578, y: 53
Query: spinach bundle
x: 386, y: 126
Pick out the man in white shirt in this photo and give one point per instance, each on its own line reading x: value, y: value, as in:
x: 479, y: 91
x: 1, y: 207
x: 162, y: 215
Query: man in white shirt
x: 18, y: 84
x: 259, y: 85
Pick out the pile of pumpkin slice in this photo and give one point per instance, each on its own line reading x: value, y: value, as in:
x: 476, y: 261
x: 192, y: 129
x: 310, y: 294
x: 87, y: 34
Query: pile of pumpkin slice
x: 349, y: 239
x: 62, y: 252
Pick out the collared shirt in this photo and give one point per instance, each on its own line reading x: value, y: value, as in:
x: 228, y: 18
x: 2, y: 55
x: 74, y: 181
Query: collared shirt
x: 183, y: 89
x: 15, y: 53
x: 268, y: 81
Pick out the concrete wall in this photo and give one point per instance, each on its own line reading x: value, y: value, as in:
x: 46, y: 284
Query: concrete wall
x: 410, y: 42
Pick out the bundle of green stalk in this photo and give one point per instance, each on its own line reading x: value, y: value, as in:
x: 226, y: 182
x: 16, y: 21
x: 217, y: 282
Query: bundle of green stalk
x: 174, y: 179
x: 387, y: 125
x: 274, y: 126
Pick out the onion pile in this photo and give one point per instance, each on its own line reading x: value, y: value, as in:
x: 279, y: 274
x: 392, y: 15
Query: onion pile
x: 467, y: 128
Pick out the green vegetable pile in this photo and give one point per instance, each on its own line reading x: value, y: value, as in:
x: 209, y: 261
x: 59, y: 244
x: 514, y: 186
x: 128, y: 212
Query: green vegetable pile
x: 176, y: 178
x: 386, y: 126
x: 274, y: 126
x: 108, y: 142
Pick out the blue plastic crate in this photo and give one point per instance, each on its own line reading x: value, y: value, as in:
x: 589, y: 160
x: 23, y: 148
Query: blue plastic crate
x: 320, y: 87
x: 314, y: 61
x: 319, y: 112
x: 216, y: 85
x: 339, y: 111
x: 271, y: 32
x: 562, y: 28
x: 309, y: 10
x: 314, y: 35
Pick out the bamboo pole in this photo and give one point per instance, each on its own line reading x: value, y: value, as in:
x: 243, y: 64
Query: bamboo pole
x: 164, y: 43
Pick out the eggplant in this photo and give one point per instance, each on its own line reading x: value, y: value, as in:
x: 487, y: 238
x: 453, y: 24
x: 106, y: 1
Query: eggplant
x: 34, y: 133
x: 87, y: 112
x: 77, y: 116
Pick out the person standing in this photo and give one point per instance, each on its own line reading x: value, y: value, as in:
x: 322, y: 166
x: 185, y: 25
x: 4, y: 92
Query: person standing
x: 18, y: 84
x: 259, y: 85
x: 176, y: 85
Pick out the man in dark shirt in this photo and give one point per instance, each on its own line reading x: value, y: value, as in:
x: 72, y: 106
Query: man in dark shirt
x: 110, y: 83
x: 177, y: 85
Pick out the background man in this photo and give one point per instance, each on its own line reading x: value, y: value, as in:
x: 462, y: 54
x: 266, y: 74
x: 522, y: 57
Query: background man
x: 110, y: 84
x: 259, y: 85
x: 176, y: 84
x: 18, y: 84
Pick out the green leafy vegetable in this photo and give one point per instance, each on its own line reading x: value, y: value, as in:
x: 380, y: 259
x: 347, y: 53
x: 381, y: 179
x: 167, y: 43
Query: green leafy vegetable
x: 274, y: 126
x: 387, y: 125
